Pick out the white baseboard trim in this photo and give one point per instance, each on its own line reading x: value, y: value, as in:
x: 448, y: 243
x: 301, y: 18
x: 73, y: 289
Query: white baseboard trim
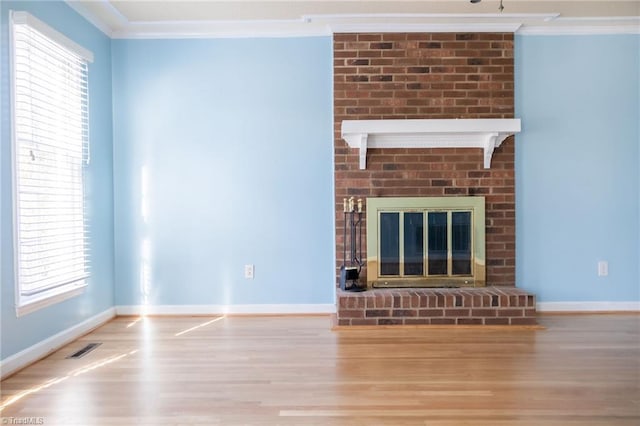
x: 225, y: 309
x: 41, y: 349
x: 588, y: 307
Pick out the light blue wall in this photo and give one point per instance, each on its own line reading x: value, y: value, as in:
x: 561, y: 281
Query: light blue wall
x: 577, y: 161
x: 235, y: 139
x: 20, y: 333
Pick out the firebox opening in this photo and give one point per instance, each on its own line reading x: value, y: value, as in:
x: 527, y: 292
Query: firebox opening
x: 426, y: 242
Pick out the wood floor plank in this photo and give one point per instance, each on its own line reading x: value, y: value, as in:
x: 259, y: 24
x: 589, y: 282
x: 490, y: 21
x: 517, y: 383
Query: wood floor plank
x: 579, y: 370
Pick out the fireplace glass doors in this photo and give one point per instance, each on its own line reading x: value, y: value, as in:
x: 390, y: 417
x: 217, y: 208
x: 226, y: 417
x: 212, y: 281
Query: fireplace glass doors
x: 425, y: 242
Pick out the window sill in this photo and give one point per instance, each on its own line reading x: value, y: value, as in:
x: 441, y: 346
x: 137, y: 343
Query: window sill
x: 43, y: 302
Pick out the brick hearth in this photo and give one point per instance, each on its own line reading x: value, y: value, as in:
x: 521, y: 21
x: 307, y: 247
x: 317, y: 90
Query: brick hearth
x: 439, y: 306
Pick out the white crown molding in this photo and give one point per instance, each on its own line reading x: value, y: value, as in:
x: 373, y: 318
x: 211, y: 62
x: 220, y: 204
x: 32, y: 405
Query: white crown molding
x: 220, y: 29
x: 41, y: 349
x: 262, y: 309
x: 581, y: 30
x: 87, y: 14
x: 297, y: 28
x: 609, y: 19
x: 391, y: 27
x: 446, y: 17
x: 293, y: 28
x: 588, y: 307
x: 589, y: 25
x: 486, y: 134
x: 102, y: 14
x: 110, y: 21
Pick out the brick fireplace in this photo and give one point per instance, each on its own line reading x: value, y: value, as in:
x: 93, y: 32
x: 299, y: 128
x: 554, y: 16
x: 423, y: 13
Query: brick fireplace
x: 429, y: 76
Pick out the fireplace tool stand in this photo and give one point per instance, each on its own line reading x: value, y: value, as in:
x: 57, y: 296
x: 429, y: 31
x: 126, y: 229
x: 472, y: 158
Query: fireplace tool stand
x: 350, y: 270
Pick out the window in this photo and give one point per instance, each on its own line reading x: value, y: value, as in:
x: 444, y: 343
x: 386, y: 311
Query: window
x: 50, y: 154
x: 436, y: 241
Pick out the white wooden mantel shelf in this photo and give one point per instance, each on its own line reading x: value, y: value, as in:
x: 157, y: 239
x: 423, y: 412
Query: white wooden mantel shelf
x: 485, y: 133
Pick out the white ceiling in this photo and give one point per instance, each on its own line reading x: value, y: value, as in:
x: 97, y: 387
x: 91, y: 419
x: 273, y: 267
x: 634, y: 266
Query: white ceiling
x: 204, y: 18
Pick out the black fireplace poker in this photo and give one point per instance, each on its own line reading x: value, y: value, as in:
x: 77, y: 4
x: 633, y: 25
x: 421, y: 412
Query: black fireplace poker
x: 350, y: 271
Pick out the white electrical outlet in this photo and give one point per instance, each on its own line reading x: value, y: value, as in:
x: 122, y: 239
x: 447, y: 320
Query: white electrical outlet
x: 249, y: 271
x: 603, y: 268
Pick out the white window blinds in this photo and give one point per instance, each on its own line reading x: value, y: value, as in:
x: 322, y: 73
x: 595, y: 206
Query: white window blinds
x: 51, y: 150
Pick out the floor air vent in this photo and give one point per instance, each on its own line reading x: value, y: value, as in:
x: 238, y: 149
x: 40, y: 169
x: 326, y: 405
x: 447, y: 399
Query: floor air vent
x: 82, y: 352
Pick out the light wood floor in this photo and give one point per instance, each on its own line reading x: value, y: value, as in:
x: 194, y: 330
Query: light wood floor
x: 580, y: 370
